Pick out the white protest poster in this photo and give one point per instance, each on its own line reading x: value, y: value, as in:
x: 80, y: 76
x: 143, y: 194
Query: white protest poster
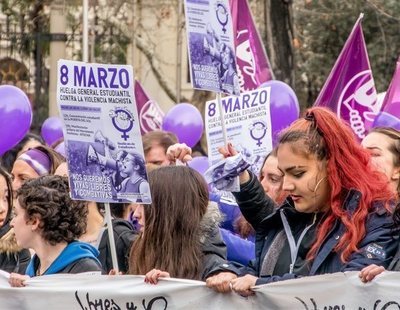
x: 211, y: 46
x: 248, y: 126
x: 102, y: 132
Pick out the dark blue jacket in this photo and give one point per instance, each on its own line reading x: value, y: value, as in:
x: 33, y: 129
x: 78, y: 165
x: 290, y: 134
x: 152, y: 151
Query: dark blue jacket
x: 377, y: 247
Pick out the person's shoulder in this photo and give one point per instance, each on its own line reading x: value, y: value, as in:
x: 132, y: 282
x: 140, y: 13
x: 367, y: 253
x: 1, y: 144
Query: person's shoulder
x: 85, y: 264
x: 122, y: 225
x: 379, y: 218
x: 123, y: 230
x: 381, y: 208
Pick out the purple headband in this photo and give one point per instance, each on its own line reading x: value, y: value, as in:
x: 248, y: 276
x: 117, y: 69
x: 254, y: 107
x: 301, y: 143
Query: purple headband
x: 38, y: 160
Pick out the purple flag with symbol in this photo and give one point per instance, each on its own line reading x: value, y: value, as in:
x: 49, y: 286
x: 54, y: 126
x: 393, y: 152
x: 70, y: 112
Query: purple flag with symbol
x: 349, y: 90
x: 253, y: 63
x: 150, y: 113
x: 390, y: 111
x: 391, y: 103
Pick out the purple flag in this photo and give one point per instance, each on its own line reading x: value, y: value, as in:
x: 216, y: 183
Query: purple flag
x: 390, y: 111
x: 391, y: 103
x: 149, y: 112
x: 349, y: 90
x: 253, y: 64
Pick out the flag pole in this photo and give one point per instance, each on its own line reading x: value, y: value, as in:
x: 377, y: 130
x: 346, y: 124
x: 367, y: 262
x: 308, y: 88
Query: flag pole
x: 222, y: 116
x: 85, y: 33
x: 111, y: 237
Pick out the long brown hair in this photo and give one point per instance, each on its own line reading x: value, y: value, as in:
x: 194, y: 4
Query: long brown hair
x: 321, y: 133
x: 171, y: 238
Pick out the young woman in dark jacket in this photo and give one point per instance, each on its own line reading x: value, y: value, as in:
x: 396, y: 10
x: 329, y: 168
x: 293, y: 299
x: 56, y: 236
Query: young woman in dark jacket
x: 336, y: 217
x: 12, y: 257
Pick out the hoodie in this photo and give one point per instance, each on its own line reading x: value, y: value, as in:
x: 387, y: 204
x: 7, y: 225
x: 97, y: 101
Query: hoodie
x: 77, y: 257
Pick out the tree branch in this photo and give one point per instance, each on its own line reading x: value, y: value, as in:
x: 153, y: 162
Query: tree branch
x: 141, y: 45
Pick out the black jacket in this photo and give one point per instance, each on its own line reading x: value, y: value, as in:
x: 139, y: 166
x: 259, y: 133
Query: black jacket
x: 124, y: 235
x: 12, y: 257
x: 377, y: 247
x: 76, y: 257
x: 213, y: 246
x: 82, y: 265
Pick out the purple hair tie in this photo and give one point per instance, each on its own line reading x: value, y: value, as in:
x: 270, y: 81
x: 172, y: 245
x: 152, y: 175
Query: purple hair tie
x: 38, y: 160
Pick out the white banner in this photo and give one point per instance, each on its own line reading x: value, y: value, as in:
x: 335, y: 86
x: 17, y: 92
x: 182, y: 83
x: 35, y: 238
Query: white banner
x: 340, y: 291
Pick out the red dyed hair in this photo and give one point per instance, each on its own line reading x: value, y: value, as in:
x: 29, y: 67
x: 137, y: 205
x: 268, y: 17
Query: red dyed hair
x: 348, y: 167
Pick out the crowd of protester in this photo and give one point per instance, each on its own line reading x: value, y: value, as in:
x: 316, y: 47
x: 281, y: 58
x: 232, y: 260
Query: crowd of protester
x: 323, y: 203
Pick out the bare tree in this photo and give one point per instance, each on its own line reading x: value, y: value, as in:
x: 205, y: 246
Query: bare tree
x: 279, y: 37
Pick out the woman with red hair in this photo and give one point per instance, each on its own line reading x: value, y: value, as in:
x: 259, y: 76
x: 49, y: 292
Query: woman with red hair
x: 336, y: 216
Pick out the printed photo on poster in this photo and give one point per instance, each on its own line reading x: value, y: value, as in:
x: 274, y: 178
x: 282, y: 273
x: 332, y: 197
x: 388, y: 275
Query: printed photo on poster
x: 211, y: 46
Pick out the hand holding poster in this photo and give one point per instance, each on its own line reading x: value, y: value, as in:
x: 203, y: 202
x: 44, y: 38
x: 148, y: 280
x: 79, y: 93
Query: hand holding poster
x: 102, y: 131
x: 211, y: 46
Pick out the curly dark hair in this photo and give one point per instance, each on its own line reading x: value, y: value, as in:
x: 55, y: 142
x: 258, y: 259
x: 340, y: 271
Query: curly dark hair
x: 47, y: 198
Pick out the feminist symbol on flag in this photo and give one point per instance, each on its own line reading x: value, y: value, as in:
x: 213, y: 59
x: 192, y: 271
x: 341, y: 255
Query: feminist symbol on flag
x: 151, y: 116
x: 245, y: 54
x: 359, y: 99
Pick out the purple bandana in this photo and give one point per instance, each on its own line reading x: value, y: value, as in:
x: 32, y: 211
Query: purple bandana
x: 38, y: 160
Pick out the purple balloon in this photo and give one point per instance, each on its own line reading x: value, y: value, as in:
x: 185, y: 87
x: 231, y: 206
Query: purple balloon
x: 15, y: 116
x: 284, y: 107
x: 60, y: 149
x: 200, y: 164
x: 384, y: 119
x: 52, y: 130
x: 185, y: 121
